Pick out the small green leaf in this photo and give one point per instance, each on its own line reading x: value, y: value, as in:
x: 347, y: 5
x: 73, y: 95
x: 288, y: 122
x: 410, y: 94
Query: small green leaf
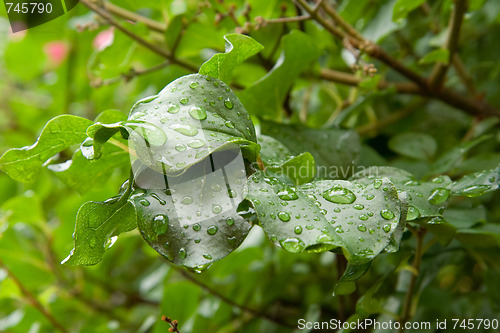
x: 24, y: 164
x: 97, y: 225
x: 419, y: 146
x: 478, y: 183
x: 266, y: 96
x: 299, y: 169
x: 199, y: 115
x: 334, y: 150
x: 438, y: 55
x: 238, y: 49
x: 403, y: 7
x: 346, y: 285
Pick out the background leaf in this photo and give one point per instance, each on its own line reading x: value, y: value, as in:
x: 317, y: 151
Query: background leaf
x: 238, y: 49
x: 24, y: 164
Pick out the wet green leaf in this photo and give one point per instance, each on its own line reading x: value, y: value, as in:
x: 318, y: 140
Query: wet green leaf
x: 238, y: 49
x: 97, y: 226
x: 346, y: 285
x: 426, y: 200
x: 324, y: 215
x: 199, y: 115
x: 272, y: 151
x: 299, y: 169
x: 478, y: 183
x: 193, y: 220
x: 24, y: 164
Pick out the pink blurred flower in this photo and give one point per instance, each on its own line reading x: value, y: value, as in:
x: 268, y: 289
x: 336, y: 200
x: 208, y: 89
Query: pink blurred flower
x: 56, y: 51
x: 104, y: 39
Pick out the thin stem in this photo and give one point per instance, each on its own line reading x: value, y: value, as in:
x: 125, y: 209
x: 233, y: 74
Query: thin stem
x: 440, y: 69
x: 352, y: 80
x: 130, y: 75
x: 349, y: 29
x: 122, y: 146
x: 407, y: 306
x: 164, y: 53
x: 33, y: 301
x: 229, y: 301
x: 134, y: 17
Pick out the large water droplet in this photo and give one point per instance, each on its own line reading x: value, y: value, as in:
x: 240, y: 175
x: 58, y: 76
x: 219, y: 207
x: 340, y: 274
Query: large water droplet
x: 193, y: 85
x: 288, y: 194
x: 173, y: 108
x: 439, y: 195
x: 229, y: 221
x: 413, y: 213
x: 160, y: 224
x: 387, y: 214
x: 377, y: 183
x: 207, y: 256
x: 180, y: 147
x: 228, y: 104
x: 339, y: 194
x: 293, y: 245
x: 212, y: 230
x: 182, y: 253
x: 362, y: 227
x: 359, y: 207
x: 196, y: 143
x: 475, y: 190
x: 216, y: 209
x: 144, y: 202
x: 284, y: 216
x: 198, y: 113
x: 184, y: 100
x: 387, y: 228
x: 229, y: 124
x: 298, y: 230
x: 187, y: 200
x: 184, y: 129
x: 196, y: 227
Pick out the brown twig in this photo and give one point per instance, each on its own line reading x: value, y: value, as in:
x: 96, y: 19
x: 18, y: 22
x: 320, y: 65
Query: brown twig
x: 32, y: 300
x: 439, y: 71
x: 164, y: 53
x: 407, y: 306
x: 173, y: 324
x: 471, y: 106
x: 134, y: 17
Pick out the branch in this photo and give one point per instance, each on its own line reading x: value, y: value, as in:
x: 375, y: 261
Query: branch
x: 351, y: 80
x: 440, y: 69
x: 33, y: 301
x: 134, y: 17
x: 447, y: 96
x: 132, y: 73
x: 420, y: 234
x: 164, y: 53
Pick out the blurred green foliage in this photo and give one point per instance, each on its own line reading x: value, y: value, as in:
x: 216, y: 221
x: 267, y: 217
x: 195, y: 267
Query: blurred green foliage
x: 79, y: 65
